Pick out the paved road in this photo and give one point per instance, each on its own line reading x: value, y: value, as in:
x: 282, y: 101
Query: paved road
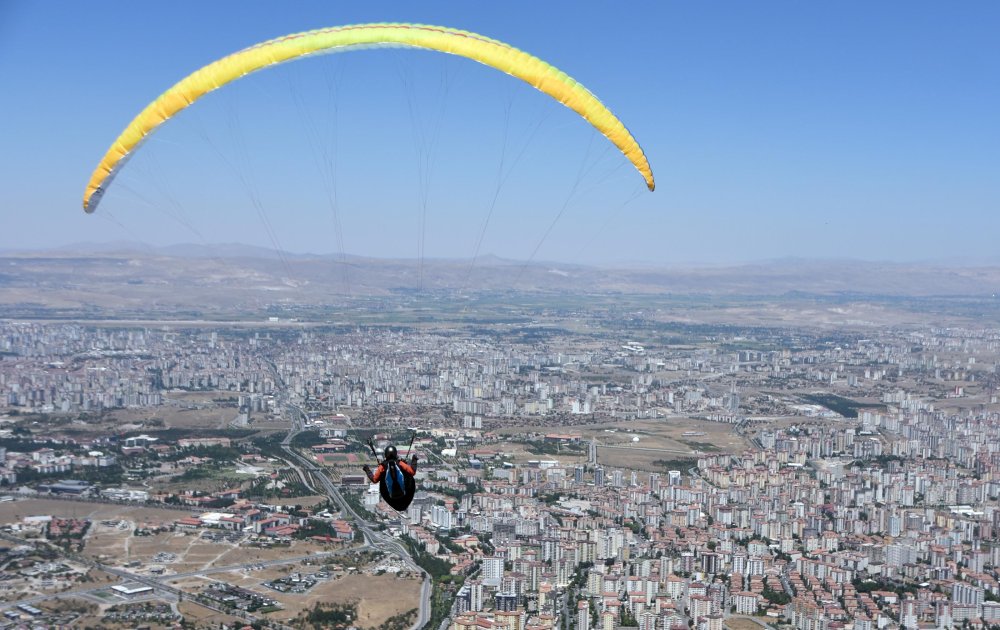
x: 372, y: 537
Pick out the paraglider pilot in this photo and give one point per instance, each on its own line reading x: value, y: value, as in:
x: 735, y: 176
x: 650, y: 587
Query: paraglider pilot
x: 394, y: 476
x: 392, y: 460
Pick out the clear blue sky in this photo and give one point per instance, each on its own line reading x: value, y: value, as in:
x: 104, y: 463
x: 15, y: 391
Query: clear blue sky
x: 775, y: 129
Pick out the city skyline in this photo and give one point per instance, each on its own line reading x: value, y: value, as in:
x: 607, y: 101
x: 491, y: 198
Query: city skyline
x: 574, y: 473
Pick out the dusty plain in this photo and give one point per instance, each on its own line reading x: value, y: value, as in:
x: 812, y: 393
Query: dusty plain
x: 637, y: 444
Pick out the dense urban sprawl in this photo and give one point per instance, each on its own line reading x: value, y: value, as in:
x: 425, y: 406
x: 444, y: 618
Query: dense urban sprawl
x: 858, y: 489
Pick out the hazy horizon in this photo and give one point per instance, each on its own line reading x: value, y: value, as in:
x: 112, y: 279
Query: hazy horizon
x: 237, y: 249
x: 768, y: 135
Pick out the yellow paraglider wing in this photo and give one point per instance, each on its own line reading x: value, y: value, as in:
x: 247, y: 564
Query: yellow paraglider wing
x: 491, y: 52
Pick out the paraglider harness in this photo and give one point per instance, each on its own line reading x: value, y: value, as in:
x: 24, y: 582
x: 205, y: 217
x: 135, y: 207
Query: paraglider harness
x: 396, y: 486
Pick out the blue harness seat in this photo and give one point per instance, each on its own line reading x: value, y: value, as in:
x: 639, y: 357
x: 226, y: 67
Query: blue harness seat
x: 397, y: 487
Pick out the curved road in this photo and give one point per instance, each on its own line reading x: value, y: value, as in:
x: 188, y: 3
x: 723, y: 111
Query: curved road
x: 372, y: 537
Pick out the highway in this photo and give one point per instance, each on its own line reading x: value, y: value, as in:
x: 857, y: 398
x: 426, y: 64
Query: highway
x: 372, y: 536
x: 306, y: 470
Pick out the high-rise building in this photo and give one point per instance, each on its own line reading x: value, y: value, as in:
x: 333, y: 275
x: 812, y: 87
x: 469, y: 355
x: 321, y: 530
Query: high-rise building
x: 476, y: 595
x: 470, y: 597
x: 441, y: 517
x: 962, y: 593
x: 699, y: 606
x: 710, y: 563
x: 617, y: 478
x: 719, y: 593
x: 506, y: 602
x: 908, y: 614
x: 582, y: 615
x: 492, y: 570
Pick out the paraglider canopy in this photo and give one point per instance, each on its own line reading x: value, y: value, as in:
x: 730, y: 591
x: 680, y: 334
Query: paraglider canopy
x: 490, y: 52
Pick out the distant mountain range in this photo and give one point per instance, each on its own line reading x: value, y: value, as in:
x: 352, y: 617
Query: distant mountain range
x: 228, y: 275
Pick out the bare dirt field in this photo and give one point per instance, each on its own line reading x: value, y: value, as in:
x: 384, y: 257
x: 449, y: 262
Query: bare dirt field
x: 105, y: 541
x: 742, y: 624
x: 16, y: 510
x: 666, y: 433
x: 366, y: 590
x: 373, y: 609
x: 193, y: 552
x: 18, y: 589
x: 306, y: 502
x: 66, y: 605
x: 675, y: 433
x: 109, y: 541
x: 203, y: 616
x: 214, y: 555
x: 121, y: 547
x: 217, y: 480
x: 630, y: 459
x: 640, y: 443
x: 189, y: 410
x: 183, y: 416
x: 98, y: 621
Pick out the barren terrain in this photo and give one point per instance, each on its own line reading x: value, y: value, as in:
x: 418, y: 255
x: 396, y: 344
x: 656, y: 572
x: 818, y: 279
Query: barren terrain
x: 638, y: 444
